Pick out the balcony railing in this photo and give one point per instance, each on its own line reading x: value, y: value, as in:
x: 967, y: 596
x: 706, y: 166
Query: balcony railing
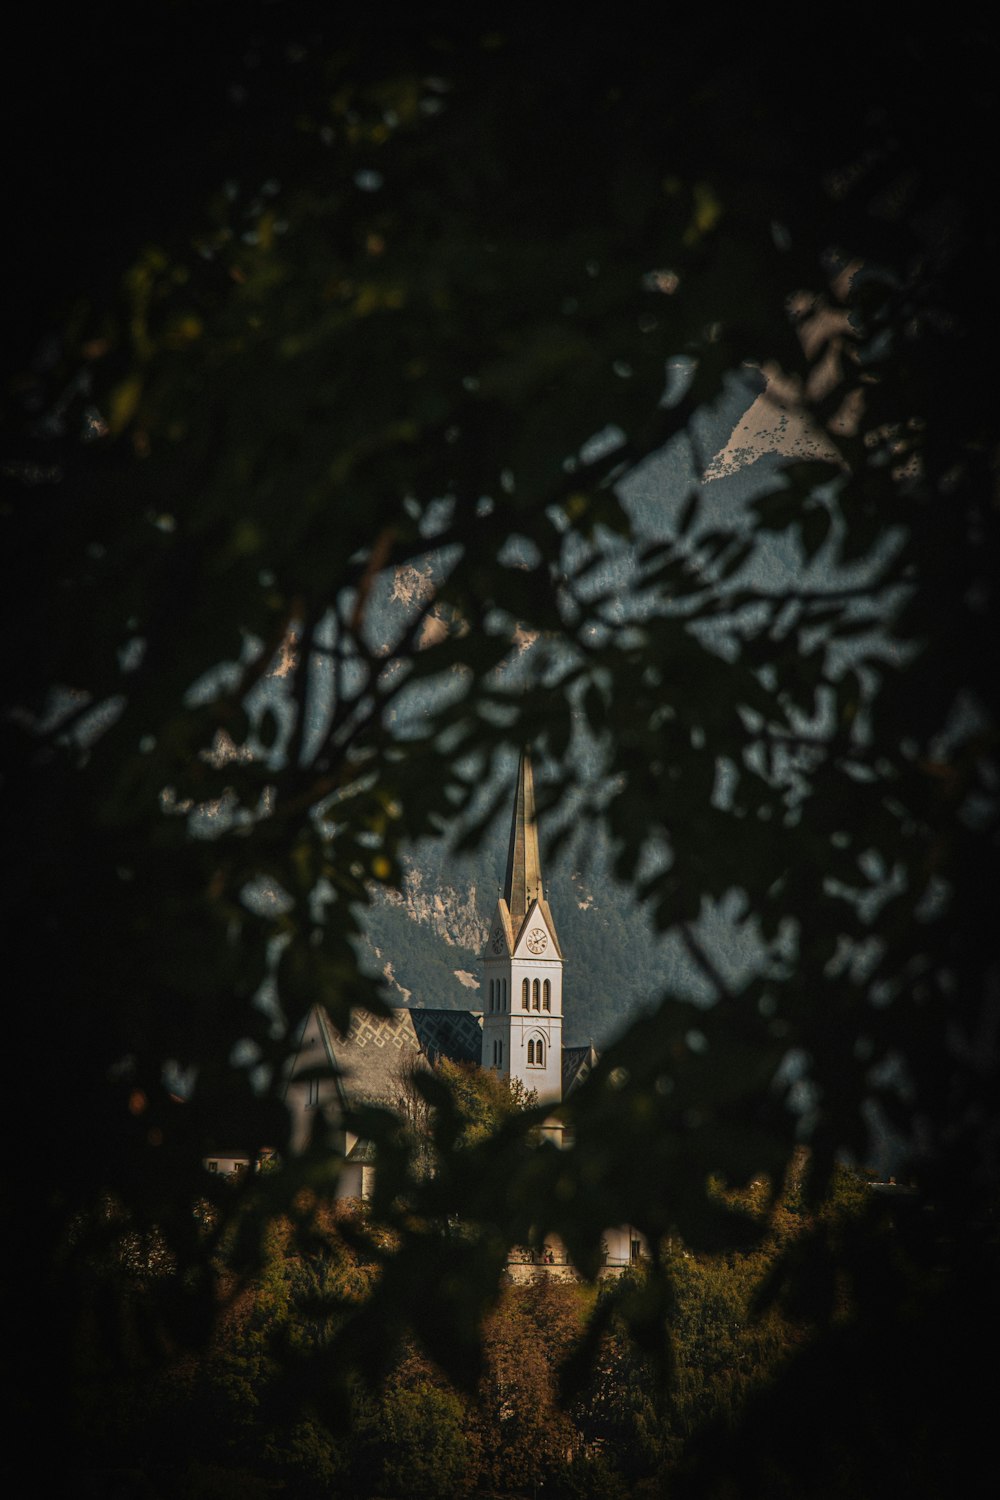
x: 551, y: 1256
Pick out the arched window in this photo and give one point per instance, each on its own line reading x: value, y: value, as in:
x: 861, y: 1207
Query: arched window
x: 531, y: 1054
x: 492, y: 992
x: 547, y: 995
x: 540, y: 1054
x: 525, y: 993
x: 500, y: 1054
x: 503, y: 990
x: 535, y: 994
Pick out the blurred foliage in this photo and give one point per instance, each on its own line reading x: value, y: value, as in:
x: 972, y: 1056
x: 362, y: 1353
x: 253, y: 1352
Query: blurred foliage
x: 416, y: 303
x: 230, y: 1415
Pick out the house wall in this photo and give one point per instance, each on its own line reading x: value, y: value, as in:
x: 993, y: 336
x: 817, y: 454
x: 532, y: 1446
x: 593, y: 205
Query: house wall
x: 625, y: 1246
x: 227, y: 1164
x: 308, y: 1090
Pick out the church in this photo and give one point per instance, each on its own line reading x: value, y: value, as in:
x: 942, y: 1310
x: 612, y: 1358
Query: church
x: 518, y: 1032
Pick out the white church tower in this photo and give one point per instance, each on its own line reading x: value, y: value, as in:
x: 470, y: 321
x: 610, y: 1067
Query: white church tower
x: 523, y: 964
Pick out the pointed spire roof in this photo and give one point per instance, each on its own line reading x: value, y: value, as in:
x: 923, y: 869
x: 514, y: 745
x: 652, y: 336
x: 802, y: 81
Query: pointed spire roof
x: 523, y: 881
x: 523, y: 893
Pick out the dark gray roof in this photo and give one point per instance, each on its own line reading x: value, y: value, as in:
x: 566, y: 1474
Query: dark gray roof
x: 376, y: 1049
x: 577, y: 1062
x: 362, y: 1153
x: 456, y: 1034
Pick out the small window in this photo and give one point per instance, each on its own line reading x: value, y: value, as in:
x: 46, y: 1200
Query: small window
x: 525, y: 995
x: 500, y: 1054
x: 547, y: 995
x: 531, y: 1054
x: 540, y: 1054
x: 213, y: 1166
x: 536, y: 990
x: 312, y: 1099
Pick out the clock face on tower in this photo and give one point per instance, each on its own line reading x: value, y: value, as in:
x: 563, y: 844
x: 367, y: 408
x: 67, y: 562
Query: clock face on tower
x: 498, y: 941
x: 537, y: 940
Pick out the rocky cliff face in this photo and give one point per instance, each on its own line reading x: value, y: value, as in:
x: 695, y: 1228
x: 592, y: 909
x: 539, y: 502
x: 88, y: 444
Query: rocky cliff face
x: 452, y: 914
x: 425, y: 941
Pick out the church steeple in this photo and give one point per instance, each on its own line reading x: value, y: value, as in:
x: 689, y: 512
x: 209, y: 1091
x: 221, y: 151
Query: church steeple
x: 523, y: 962
x: 523, y: 881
